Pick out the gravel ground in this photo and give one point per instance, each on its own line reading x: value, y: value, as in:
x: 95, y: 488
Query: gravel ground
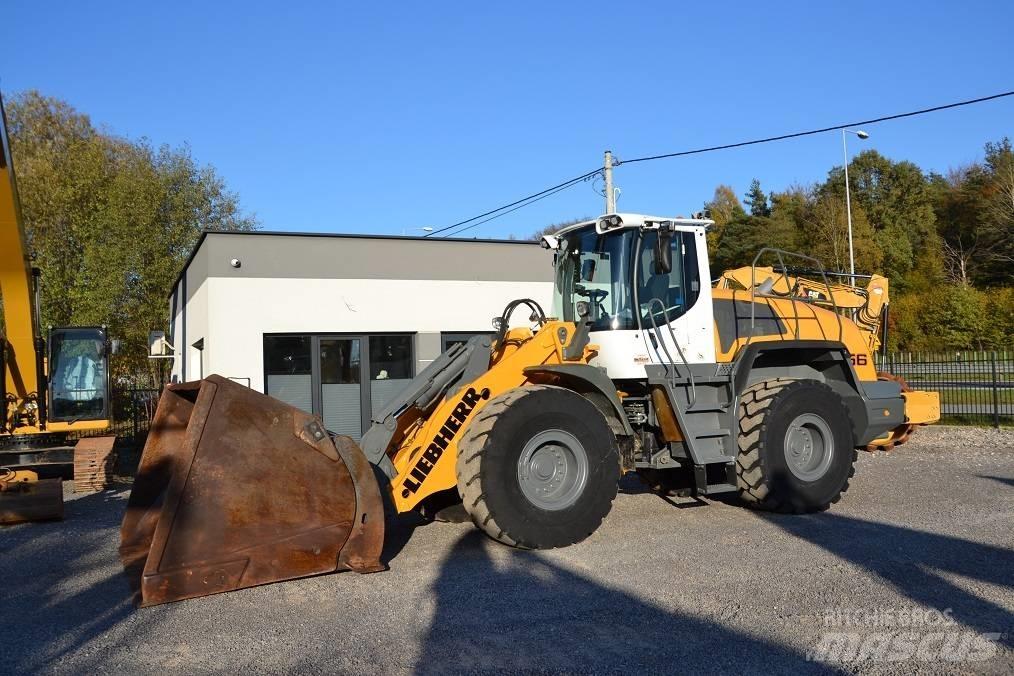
x: 922, y: 543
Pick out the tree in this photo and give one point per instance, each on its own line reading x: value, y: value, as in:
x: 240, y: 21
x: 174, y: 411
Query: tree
x: 723, y: 208
x: 554, y: 227
x: 826, y: 234
x: 998, y: 235
x: 897, y: 201
x: 974, y: 208
x: 960, y: 206
x: 757, y: 201
x: 110, y: 221
x: 724, y: 205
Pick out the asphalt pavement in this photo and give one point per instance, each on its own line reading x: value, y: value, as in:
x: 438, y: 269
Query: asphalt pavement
x: 912, y: 571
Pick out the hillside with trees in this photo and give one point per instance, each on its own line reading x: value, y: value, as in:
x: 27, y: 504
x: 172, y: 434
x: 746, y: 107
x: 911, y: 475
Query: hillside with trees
x: 110, y: 221
x: 945, y: 242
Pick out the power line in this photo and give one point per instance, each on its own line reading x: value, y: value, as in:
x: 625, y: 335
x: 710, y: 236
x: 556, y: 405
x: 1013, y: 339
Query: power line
x: 565, y: 184
x: 542, y: 194
x: 520, y: 206
x: 816, y: 131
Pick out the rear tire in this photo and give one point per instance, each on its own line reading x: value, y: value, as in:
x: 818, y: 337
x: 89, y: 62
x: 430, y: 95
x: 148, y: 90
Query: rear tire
x: 538, y: 468
x: 796, y: 451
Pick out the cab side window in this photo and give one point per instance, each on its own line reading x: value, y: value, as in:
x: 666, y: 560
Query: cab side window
x: 667, y: 296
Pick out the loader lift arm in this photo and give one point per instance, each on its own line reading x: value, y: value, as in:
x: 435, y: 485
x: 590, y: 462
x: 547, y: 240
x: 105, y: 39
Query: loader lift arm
x: 444, y: 376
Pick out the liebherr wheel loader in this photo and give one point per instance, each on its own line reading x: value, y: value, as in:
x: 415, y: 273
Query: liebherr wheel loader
x: 642, y: 366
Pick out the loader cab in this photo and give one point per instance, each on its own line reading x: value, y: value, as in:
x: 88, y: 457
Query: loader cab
x: 644, y: 281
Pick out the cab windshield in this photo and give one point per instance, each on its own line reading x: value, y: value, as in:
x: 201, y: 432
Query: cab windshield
x: 78, y: 385
x: 596, y: 269
x: 602, y: 270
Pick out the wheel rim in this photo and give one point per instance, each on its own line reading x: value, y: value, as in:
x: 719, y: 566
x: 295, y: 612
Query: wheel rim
x: 809, y: 447
x: 553, y: 470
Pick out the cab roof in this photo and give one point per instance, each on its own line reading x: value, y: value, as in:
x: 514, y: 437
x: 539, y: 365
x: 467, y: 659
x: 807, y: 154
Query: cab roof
x: 617, y: 221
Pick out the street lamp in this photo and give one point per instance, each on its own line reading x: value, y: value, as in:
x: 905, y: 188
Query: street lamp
x: 848, y: 199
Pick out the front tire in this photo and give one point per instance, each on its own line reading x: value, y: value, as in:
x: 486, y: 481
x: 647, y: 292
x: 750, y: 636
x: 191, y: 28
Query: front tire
x: 796, y: 451
x: 538, y: 468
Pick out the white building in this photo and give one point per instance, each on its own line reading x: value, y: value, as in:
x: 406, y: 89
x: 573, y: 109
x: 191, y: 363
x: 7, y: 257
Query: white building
x: 335, y: 324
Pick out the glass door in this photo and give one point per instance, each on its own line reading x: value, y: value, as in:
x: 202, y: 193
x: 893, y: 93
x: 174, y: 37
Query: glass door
x: 341, y: 393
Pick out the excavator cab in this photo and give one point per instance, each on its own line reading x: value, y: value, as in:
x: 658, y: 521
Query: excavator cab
x: 78, y: 374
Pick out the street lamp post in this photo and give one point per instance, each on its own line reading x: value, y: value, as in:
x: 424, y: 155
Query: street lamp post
x: 848, y: 199
x: 427, y: 229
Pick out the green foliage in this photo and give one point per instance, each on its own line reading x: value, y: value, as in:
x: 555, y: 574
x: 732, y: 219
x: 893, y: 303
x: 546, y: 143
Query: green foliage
x: 110, y: 221
x: 974, y: 208
x: 946, y: 243
x: 953, y: 316
x: 757, y: 201
x: 724, y: 208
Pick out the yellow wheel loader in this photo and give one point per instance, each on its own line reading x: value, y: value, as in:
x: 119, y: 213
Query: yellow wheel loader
x: 49, y: 388
x: 867, y: 306
x: 641, y: 367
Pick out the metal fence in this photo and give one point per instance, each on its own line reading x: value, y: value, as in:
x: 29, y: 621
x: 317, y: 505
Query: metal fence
x: 133, y: 409
x: 975, y: 387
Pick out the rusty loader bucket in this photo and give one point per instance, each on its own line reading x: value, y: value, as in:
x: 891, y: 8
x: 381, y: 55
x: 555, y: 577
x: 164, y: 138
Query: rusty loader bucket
x: 237, y: 489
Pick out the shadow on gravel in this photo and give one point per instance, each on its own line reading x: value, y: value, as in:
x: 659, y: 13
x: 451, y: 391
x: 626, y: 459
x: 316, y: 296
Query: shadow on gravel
x: 999, y: 479
x: 60, y: 589
x: 529, y: 615
x: 912, y: 561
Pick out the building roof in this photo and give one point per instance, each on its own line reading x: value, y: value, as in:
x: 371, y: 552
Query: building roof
x: 349, y: 236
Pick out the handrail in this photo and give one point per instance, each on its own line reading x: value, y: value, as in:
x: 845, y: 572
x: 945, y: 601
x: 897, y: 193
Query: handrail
x: 795, y: 311
x: 660, y: 339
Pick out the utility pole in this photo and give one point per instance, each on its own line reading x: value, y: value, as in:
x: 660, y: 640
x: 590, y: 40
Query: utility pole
x: 607, y: 174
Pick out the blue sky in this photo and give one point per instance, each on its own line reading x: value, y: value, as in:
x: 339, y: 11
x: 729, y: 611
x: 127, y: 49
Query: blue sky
x: 386, y: 118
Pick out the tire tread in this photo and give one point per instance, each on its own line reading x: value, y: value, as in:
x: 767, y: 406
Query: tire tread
x: 751, y: 468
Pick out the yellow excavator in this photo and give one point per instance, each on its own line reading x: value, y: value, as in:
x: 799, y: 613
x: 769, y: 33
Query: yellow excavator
x: 640, y: 366
x: 51, y: 386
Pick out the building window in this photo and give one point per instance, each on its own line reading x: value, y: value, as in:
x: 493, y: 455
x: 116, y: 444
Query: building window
x: 287, y: 365
x: 325, y: 375
x: 340, y: 378
x: 459, y: 337
x: 391, y: 368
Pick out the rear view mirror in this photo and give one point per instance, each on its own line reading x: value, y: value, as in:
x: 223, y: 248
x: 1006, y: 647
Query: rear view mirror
x: 663, y: 252
x: 588, y: 270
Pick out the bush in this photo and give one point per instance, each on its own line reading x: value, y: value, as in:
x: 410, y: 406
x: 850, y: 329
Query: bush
x: 953, y: 317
